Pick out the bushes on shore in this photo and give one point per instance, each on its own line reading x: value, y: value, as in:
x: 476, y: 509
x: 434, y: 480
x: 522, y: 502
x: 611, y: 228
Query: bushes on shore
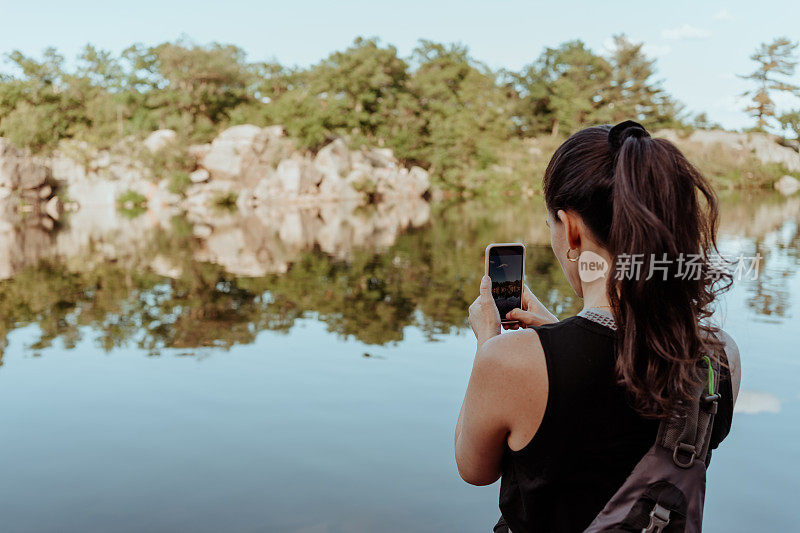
x: 439, y: 108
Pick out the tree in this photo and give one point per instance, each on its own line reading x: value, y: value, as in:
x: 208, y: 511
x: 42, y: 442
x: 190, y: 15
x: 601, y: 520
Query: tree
x: 361, y: 92
x: 44, y: 73
x: 467, y: 117
x: 101, y: 68
x: 702, y: 122
x: 633, y: 93
x: 33, y: 126
x: 562, y: 90
x: 32, y: 106
x: 776, y: 62
x: 570, y: 87
x: 440, y: 108
x: 201, y: 83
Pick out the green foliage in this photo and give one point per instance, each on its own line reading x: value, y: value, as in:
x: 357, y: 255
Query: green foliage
x: 701, y: 122
x: 570, y: 87
x: 171, y: 162
x: 439, y: 108
x: 356, y: 92
x: 467, y: 118
x: 427, y: 279
x: 633, y: 92
x: 776, y: 65
x: 131, y: 204
x: 562, y: 89
x: 178, y: 182
x: 33, y: 126
x: 225, y: 201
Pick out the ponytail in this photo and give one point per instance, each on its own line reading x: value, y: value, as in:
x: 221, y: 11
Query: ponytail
x: 656, y: 215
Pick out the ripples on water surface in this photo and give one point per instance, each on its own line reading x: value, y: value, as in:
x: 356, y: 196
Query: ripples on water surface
x: 301, y: 370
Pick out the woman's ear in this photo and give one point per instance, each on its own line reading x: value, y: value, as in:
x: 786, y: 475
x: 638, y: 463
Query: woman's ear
x: 572, y: 227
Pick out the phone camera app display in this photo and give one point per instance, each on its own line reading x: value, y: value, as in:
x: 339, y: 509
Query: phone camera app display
x: 505, y: 269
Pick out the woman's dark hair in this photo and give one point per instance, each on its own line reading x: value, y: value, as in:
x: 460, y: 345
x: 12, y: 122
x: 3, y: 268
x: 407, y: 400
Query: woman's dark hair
x: 643, y: 200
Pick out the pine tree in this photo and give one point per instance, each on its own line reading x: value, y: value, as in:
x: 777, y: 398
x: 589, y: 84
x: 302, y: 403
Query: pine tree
x: 633, y: 93
x: 776, y: 62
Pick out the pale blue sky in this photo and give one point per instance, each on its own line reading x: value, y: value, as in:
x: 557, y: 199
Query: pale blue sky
x: 699, y: 46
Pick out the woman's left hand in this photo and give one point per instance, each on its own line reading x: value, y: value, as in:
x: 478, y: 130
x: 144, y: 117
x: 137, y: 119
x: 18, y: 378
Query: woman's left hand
x: 483, y: 315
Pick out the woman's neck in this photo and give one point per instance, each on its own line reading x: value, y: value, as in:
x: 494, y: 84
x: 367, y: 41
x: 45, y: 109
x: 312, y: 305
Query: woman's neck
x: 595, y: 295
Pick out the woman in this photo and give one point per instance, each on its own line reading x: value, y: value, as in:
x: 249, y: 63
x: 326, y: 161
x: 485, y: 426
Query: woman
x: 563, y: 411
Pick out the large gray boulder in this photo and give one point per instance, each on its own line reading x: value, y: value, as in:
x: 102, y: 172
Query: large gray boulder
x: 198, y: 151
x: 9, y: 178
x: 18, y: 170
x: 160, y: 139
x: 335, y: 164
x: 297, y: 176
x: 381, y: 157
x: 419, y: 181
x: 233, y: 150
x: 787, y: 185
x: 244, y: 153
x: 333, y: 160
x: 66, y: 169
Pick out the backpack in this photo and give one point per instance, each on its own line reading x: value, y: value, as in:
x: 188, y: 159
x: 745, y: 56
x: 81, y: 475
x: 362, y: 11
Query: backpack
x: 665, y: 491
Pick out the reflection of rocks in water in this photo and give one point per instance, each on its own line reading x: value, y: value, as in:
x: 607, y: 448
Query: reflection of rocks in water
x: 22, y: 242
x: 368, y: 276
x: 86, y: 237
x: 756, y: 217
x: 247, y: 169
x: 109, y: 234
x: 765, y: 226
x: 248, y: 243
x: 29, y: 207
x: 269, y: 238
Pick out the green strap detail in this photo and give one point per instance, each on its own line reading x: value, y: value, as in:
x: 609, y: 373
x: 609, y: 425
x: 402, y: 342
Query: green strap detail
x: 710, y: 375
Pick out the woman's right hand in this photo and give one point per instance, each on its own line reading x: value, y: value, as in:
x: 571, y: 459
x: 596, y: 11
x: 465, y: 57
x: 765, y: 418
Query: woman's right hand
x: 533, y: 312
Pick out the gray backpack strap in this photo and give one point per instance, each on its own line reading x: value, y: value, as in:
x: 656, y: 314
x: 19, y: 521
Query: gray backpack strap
x: 666, y: 489
x: 688, y: 433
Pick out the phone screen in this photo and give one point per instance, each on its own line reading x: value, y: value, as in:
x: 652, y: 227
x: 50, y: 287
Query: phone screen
x: 505, y: 269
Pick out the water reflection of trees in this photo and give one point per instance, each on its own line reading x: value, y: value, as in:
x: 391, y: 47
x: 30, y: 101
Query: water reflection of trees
x: 769, y: 293
x: 766, y: 224
x: 426, y: 278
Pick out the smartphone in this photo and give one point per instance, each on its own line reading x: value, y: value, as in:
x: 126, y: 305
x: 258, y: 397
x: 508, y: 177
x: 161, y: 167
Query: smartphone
x: 505, y: 264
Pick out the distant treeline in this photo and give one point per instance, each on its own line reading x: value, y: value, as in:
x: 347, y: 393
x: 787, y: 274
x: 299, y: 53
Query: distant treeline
x: 438, y: 108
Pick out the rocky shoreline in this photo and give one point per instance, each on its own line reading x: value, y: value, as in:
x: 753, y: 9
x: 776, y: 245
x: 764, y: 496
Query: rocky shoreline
x: 246, y: 166
x: 278, y: 201
x: 249, y: 243
x: 260, y: 173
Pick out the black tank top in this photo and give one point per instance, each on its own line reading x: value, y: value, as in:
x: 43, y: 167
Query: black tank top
x: 589, y: 440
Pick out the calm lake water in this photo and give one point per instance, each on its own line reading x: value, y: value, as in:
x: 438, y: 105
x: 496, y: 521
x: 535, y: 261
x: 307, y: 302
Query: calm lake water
x: 302, y: 370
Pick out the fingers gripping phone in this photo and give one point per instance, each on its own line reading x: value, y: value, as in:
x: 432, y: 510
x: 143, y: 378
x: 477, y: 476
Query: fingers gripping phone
x: 505, y: 264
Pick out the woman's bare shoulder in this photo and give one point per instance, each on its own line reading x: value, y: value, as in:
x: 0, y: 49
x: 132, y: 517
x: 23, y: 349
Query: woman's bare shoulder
x: 514, y: 350
x: 521, y: 375
x: 515, y: 362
